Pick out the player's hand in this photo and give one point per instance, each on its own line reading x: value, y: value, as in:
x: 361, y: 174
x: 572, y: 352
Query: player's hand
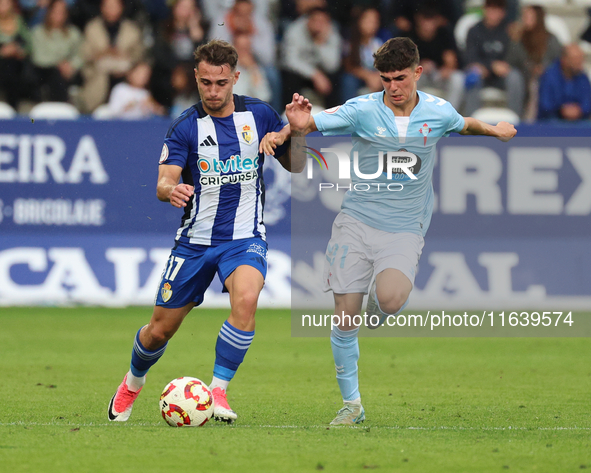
x: 270, y: 141
x: 181, y: 194
x: 298, y: 112
x: 505, y: 131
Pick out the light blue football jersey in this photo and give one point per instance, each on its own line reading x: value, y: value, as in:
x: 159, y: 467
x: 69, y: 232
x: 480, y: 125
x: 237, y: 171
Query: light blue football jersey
x: 398, y: 204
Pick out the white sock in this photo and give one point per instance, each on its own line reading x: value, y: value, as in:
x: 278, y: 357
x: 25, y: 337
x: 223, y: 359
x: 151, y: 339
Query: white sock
x: 219, y: 383
x: 356, y: 401
x: 133, y: 382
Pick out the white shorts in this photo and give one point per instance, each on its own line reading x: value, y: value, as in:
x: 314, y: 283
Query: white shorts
x: 357, y: 251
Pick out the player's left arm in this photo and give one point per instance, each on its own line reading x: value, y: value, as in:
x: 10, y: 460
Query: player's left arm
x: 503, y: 131
x: 272, y: 140
x: 300, y: 124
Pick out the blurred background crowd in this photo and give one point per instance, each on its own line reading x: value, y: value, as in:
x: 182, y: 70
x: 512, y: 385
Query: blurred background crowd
x: 526, y: 59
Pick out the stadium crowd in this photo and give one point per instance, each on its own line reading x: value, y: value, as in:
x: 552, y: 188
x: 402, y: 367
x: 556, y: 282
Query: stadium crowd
x: 135, y: 57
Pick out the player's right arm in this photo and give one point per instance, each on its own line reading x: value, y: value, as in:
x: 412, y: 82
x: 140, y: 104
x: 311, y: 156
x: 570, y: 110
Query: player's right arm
x: 300, y: 124
x: 169, y: 189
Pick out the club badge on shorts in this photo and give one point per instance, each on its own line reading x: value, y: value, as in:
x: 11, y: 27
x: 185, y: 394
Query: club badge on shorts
x: 166, y: 292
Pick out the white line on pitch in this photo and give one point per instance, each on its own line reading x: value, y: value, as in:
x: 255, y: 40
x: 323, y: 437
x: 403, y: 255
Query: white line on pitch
x: 376, y: 427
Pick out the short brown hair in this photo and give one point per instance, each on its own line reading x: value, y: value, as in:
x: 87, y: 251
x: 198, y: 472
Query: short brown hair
x: 217, y: 53
x: 396, y: 54
x: 496, y: 4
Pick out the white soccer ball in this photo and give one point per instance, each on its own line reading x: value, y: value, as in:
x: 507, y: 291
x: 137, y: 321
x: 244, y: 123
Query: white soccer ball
x: 186, y: 402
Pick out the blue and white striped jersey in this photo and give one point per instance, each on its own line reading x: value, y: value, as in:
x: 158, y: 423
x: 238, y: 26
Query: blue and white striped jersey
x: 395, y: 204
x: 220, y: 157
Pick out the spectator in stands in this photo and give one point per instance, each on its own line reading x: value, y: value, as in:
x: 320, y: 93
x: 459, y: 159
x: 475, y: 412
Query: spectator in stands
x: 312, y: 57
x: 534, y: 50
x: 111, y: 46
x: 157, y: 11
x: 56, y: 53
x: 177, y: 38
x: 403, y: 12
x: 439, y: 56
x: 242, y: 18
x: 131, y: 99
x: 487, y: 48
x: 215, y: 10
x: 252, y: 80
x: 82, y: 11
x: 358, y: 62
x: 343, y: 11
x: 34, y: 11
x: 565, y: 91
x: 15, y: 48
x: 292, y: 10
x: 184, y: 92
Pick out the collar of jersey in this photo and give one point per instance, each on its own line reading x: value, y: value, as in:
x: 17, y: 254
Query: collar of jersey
x: 414, y: 110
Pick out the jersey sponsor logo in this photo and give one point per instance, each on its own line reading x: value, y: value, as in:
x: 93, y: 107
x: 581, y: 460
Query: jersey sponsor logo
x: 425, y: 130
x: 209, y: 141
x: 166, y: 292
x: 401, y: 157
x: 164, y: 153
x: 247, y: 134
x: 234, y: 163
x: 228, y: 179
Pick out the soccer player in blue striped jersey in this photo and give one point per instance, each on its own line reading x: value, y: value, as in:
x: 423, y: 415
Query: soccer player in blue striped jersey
x: 214, y: 147
x: 380, y: 232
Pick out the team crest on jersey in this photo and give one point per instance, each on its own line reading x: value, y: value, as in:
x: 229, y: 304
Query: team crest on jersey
x: 425, y: 130
x: 164, y: 154
x: 247, y: 134
x: 166, y: 292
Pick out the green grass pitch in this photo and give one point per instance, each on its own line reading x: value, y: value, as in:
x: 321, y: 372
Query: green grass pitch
x: 432, y: 404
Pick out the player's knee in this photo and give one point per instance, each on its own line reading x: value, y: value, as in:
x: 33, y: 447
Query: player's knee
x: 391, y: 303
x: 157, y: 337
x: 245, y: 302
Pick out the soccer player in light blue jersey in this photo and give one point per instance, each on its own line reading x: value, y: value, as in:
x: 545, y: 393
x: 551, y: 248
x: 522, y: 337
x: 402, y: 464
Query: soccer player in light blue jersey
x: 380, y: 231
x: 215, y: 148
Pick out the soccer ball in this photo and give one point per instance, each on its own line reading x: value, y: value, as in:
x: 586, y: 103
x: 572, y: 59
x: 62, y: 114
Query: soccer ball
x: 186, y: 402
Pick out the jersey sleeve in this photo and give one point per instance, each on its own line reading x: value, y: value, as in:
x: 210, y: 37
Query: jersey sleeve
x: 456, y: 121
x: 176, y: 143
x: 340, y: 120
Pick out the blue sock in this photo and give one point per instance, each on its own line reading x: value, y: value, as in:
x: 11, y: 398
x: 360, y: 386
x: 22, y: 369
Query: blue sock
x: 142, y: 359
x: 230, y: 348
x: 345, y: 350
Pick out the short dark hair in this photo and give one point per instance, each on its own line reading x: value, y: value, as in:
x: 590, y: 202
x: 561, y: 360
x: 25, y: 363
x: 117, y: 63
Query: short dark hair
x: 496, y: 3
x: 216, y: 53
x: 396, y: 54
x: 318, y: 9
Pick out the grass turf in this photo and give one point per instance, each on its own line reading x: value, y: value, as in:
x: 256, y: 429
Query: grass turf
x: 439, y: 405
